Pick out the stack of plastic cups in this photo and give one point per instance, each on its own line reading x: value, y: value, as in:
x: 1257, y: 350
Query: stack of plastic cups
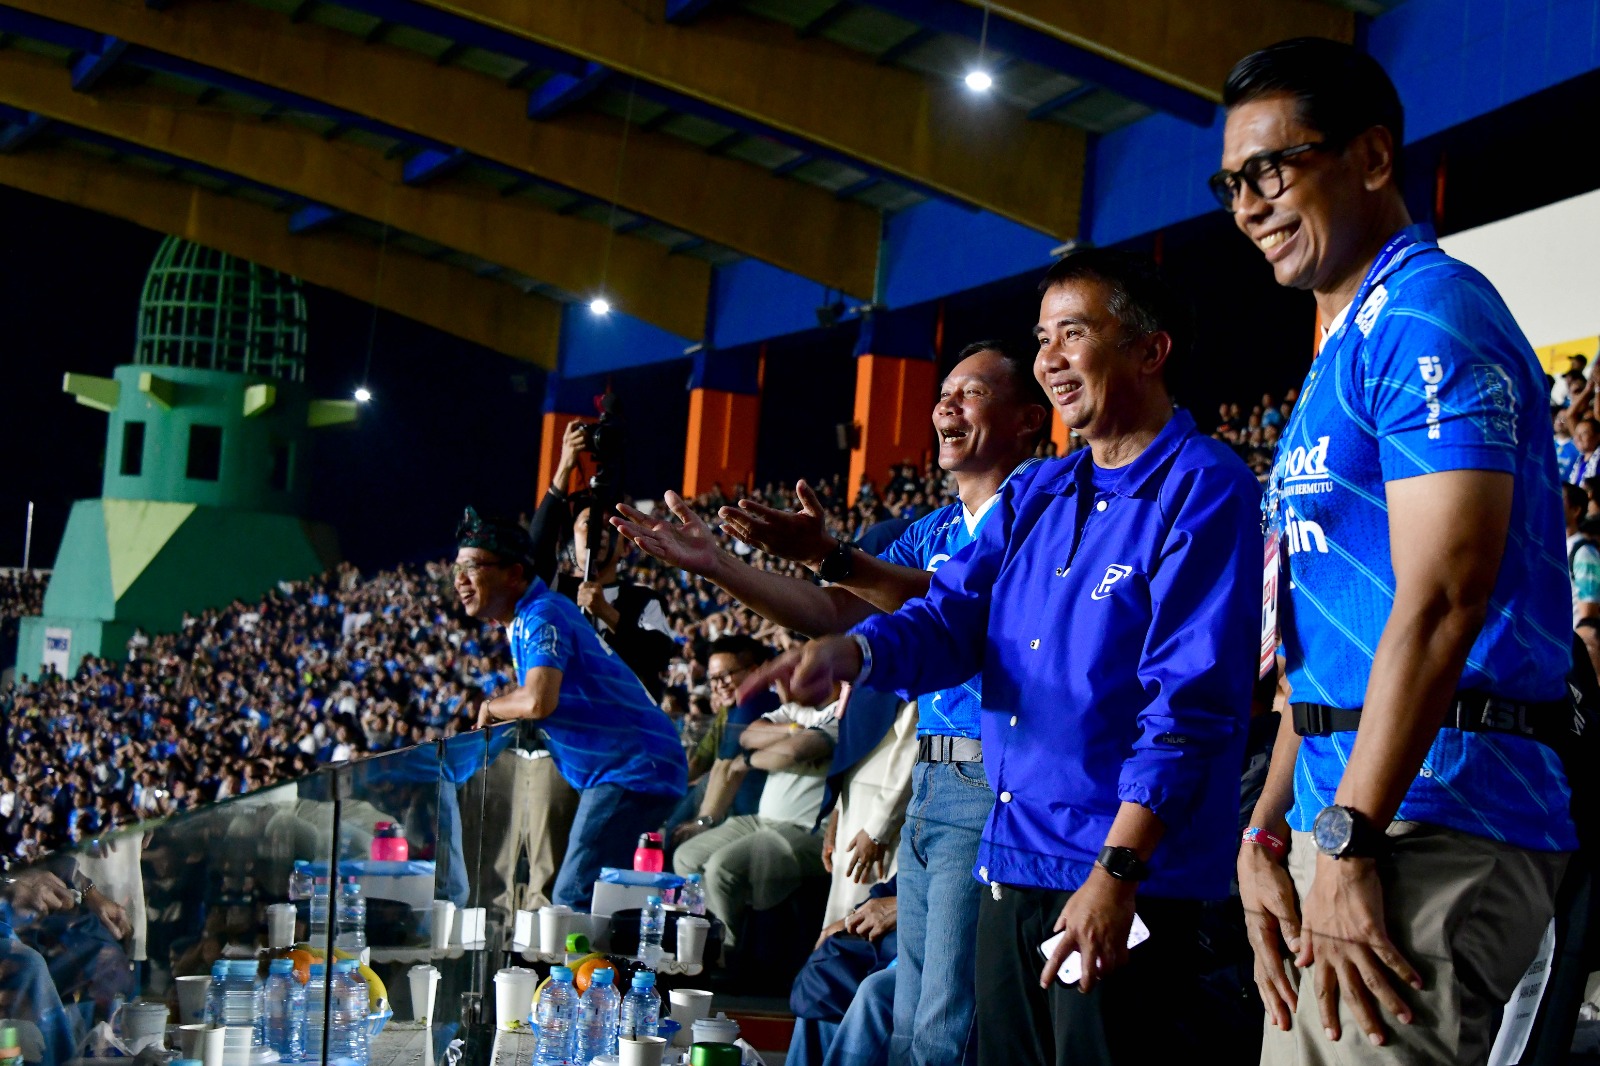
x: 241, y: 1012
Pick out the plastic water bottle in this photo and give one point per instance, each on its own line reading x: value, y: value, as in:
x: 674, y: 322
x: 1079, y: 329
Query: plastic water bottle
x: 557, y: 1018
x: 650, y: 855
x: 641, y: 1007
x: 318, y: 920
x: 286, y: 1012
x: 352, y: 918
x: 692, y: 896
x: 652, y: 923
x: 316, y: 998
x: 215, y: 992
x: 597, y: 1018
x: 241, y: 1011
x: 349, y: 992
x: 300, y: 881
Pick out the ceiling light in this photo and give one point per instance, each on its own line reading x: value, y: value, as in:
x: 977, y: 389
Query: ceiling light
x: 599, y: 306
x: 979, y: 81
x: 363, y: 395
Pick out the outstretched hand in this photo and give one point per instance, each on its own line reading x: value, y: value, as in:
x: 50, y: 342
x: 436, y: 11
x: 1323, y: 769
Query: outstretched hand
x: 798, y: 536
x: 687, y: 543
x: 808, y: 672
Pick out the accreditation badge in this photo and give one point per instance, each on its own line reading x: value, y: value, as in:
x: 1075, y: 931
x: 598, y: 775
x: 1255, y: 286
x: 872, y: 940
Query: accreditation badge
x: 1270, y: 574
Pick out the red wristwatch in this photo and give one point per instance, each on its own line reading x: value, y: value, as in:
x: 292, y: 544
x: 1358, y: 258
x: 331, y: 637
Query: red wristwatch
x: 1269, y: 840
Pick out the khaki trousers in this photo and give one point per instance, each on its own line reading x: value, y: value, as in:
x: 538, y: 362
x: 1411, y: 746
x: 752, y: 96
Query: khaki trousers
x: 749, y: 863
x: 1468, y: 913
x: 526, y: 808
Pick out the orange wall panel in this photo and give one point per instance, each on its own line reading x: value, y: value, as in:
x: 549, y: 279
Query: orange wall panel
x: 894, y: 410
x: 721, y: 445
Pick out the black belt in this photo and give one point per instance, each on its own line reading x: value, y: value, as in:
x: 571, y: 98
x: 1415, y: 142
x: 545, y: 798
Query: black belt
x: 949, y: 749
x: 1472, y: 712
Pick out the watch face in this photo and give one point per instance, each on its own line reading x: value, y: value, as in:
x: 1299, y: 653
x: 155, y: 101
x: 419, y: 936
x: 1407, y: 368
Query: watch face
x: 1332, y: 829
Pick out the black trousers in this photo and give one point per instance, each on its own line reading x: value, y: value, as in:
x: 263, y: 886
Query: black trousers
x: 1131, y: 1018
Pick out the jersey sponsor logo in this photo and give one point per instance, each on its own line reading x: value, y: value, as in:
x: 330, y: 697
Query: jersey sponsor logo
x: 1304, y: 470
x: 1369, y: 310
x: 1498, y: 419
x: 1303, y: 535
x: 547, y: 641
x: 1432, y: 371
x: 935, y: 562
x: 1114, y: 573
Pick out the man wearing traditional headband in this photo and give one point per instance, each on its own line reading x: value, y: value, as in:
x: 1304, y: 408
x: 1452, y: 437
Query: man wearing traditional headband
x: 606, y: 735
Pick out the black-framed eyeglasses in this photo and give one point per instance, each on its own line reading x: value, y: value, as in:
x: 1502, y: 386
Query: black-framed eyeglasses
x: 1262, y: 172
x: 729, y: 678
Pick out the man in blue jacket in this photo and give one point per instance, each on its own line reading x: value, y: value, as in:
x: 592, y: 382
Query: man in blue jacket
x: 1112, y: 603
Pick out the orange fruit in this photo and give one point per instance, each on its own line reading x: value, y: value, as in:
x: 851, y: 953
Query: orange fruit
x: 586, y: 969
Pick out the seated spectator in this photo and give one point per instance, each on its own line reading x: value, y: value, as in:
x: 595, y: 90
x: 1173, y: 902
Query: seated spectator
x: 757, y: 861
x: 843, y: 997
x: 1586, y: 435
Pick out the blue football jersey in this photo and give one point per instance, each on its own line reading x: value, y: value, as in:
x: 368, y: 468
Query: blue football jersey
x: 929, y: 542
x: 606, y: 730
x: 1432, y: 374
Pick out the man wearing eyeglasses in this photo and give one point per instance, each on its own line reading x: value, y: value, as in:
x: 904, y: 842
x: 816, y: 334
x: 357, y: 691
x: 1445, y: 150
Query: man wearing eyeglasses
x: 1426, y: 623
x: 607, y: 737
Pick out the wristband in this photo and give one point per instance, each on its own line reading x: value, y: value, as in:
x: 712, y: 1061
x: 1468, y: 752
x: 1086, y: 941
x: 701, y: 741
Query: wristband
x: 1271, y: 841
x: 866, y: 659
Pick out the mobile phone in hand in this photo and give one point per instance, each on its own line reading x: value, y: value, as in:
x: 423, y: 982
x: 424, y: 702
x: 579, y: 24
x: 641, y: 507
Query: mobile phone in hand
x: 1072, y: 969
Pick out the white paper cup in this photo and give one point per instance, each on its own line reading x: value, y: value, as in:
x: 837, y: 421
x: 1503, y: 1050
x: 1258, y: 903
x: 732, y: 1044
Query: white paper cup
x: 689, y: 1005
x: 554, y: 924
x: 192, y: 999
x: 211, y: 1046
x: 513, y: 997
x: 604, y: 1060
x: 641, y: 1050
x: 442, y: 923
x: 424, y: 989
x: 692, y: 934
x: 192, y: 1040
x: 280, y: 925
x: 718, y: 1030
x: 141, y: 1020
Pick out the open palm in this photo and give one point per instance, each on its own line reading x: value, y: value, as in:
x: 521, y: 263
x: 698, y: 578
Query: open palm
x: 687, y: 543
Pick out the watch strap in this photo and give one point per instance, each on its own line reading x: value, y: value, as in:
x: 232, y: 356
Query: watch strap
x: 1123, y: 864
x: 838, y: 564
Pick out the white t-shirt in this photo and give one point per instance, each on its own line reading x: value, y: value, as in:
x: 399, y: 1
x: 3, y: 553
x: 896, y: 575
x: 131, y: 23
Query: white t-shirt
x: 794, y: 796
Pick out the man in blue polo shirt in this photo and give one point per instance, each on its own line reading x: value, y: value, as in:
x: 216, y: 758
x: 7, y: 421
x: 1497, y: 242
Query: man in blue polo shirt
x: 990, y: 416
x: 1427, y: 625
x: 606, y: 735
x: 1111, y: 602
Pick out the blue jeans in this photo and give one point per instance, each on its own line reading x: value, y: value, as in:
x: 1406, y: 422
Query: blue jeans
x: 936, y: 989
x: 604, y: 833
x: 862, y: 1038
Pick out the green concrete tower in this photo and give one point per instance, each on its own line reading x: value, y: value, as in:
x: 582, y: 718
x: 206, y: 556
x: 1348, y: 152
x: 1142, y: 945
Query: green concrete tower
x: 207, y: 462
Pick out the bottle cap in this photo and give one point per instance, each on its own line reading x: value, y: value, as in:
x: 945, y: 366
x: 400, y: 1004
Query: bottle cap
x: 644, y: 979
x: 344, y: 966
x: 602, y: 976
x: 561, y: 973
x: 220, y: 968
x: 577, y: 942
x: 646, y: 842
x: 281, y: 966
x: 318, y: 969
x: 245, y: 967
x: 695, y: 878
x: 653, y: 901
x: 187, y: 1062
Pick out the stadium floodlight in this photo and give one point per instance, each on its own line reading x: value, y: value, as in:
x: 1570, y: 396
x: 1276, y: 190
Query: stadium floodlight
x: 599, y: 306
x: 979, y: 81
x: 363, y: 395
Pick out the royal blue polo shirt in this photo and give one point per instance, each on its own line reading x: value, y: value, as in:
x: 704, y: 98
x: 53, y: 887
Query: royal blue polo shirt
x: 1116, y: 627
x: 1432, y: 374
x: 605, y: 730
x: 927, y: 544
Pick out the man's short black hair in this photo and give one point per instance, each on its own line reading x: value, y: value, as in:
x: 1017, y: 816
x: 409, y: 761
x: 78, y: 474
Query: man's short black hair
x: 1574, y: 495
x: 1019, y: 364
x: 1341, y: 91
x: 1141, y: 297
x: 1580, y: 359
x: 748, y: 650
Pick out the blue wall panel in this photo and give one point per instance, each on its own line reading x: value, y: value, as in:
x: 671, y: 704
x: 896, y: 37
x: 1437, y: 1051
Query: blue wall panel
x: 1453, y: 60
x: 594, y: 344
x: 1150, y: 175
x: 753, y: 301
x: 935, y: 249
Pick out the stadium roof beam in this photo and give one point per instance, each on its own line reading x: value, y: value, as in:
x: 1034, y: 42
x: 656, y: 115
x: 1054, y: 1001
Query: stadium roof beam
x: 926, y: 132
x: 489, y: 313
x: 718, y: 198
x: 642, y: 277
x: 1187, y: 44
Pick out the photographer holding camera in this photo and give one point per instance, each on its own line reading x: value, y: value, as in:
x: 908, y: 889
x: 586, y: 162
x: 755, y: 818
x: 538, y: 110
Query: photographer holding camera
x: 628, y: 617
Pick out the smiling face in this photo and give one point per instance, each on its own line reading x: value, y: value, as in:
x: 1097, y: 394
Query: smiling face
x: 487, y: 586
x: 1306, y: 233
x: 1092, y: 368
x: 980, y: 420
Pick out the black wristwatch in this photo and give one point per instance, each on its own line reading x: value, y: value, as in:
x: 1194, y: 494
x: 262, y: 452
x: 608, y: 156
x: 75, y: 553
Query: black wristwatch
x: 838, y: 564
x: 1122, y: 863
x: 1345, y: 833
